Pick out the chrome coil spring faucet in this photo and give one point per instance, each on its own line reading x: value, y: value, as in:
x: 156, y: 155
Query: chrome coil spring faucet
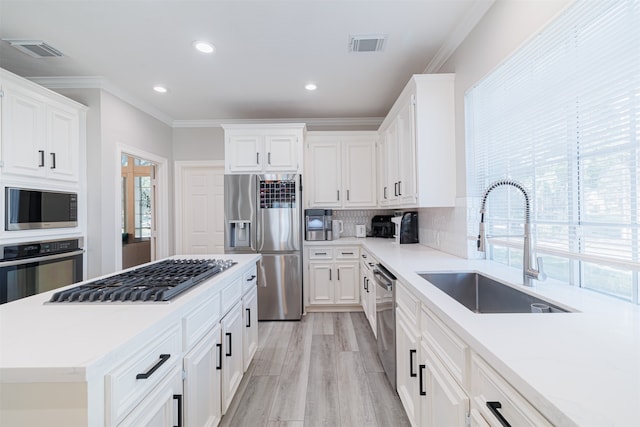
x: 528, y: 272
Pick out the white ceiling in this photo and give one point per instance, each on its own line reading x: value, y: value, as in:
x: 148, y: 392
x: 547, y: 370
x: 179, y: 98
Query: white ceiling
x: 266, y: 51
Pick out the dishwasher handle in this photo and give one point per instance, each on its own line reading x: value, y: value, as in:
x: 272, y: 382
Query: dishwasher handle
x: 382, y: 279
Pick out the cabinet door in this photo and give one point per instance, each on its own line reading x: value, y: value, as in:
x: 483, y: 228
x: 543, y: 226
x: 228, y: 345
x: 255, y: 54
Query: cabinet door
x: 161, y: 407
x: 281, y: 153
x: 371, y: 296
x: 391, y: 157
x: 407, y: 362
x: 445, y: 403
x: 325, y: 173
x: 347, y: 290
x: 23, y: 132
x: 63, y: 142
x: 250, y: 321
x: 244, y: 153
x: 406, y: 155
x: 202, y: 366
x: 321, y: 283
x: 359, y: 178
x: 382, y: 179
x: 232, y: 364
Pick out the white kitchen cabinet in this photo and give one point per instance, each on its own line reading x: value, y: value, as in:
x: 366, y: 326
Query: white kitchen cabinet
x: 263, y: 148
x: 250, y: 321
x: 161, y: 407
x: 41, y: 131
x: 368, y: 288
x: 407, y: 360
x: 202, y: 382
x: 232, y: 363
x: 341, y: 170
x: 418, y: 167
x: 333, y: 275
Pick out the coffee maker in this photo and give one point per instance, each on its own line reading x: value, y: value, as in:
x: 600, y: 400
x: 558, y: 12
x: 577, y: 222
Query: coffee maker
x: 408, y: 228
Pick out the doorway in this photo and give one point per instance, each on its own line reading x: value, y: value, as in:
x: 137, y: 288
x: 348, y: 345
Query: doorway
x: 138, y: 210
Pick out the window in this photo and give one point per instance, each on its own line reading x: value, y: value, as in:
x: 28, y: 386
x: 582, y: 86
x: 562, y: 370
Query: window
x: 562, y: 116
x: 136, y: 198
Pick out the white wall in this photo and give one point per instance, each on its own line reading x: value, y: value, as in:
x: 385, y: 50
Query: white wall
x: 507, y: 25
x: 198, y: 143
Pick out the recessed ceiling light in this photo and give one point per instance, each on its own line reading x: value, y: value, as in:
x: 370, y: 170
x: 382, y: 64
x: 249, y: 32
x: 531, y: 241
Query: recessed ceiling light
x: 204, y: 47
x: 311, y: 86
x: 160, y: 89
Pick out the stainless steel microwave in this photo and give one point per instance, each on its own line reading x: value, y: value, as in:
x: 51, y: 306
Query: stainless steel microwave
x: 27, y: 209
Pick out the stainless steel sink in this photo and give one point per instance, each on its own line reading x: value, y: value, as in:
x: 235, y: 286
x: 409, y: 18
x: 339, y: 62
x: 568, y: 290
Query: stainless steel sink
x: 481, y: 294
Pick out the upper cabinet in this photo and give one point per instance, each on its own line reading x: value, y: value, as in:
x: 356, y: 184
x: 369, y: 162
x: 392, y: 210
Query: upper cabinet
x: 340, y: 170
x: 41, y: 132
x: 416, y: 156
x: 263, y: 148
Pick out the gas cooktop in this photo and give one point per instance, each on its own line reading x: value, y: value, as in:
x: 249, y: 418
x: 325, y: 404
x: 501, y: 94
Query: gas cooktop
x: 159, y: 282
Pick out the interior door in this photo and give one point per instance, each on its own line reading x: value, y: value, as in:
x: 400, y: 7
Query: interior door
x: 202, y: 207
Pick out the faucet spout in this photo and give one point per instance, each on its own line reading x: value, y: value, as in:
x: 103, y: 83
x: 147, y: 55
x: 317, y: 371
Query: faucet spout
x: 528, y: 271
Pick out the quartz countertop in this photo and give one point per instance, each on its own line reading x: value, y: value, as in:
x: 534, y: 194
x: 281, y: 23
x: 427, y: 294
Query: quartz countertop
x: 64, y: 342
x: 580, y: 368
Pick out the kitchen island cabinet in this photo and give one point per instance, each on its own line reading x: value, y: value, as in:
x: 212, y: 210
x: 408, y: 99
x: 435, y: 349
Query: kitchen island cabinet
x: 80, y: 364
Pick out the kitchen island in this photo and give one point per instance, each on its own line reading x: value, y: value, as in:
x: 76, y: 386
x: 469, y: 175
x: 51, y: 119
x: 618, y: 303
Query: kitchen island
x: 73, y: 364
x: 576, y: 369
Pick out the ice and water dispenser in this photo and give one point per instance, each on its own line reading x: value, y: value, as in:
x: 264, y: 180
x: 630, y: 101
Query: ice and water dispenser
x: 240, y: 234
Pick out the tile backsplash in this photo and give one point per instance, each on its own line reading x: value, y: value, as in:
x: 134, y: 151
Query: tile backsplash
x: 351, y: 218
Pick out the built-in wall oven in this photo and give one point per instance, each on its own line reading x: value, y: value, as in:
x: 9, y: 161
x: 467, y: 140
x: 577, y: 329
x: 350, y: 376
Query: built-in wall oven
x: 386, y: 320
x: 31, y: 268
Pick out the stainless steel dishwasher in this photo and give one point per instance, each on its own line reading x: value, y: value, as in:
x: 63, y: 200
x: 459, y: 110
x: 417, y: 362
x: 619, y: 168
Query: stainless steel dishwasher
x: 386, y: 320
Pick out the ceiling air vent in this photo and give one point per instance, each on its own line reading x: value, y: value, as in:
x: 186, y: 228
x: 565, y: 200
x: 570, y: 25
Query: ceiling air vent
x: 35, y: 48
x: 367, y: 43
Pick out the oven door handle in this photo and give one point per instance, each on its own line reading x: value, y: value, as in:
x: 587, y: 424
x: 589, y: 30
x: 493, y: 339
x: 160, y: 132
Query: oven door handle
x: 40, y: 258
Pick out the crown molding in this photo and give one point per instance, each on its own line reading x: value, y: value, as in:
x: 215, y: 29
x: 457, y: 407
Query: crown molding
x: 326, y: 122
x: 99, y: 82
x: 458, y: 34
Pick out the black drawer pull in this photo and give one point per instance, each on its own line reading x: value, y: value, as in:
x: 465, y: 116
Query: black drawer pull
x: 228, y: 334
x: 399, y: 188
x: 422, y: 391
x: 144, y: 376
x: 41, y: 164
x: 493, y: 407
x: 178, y: 397
x: 346, y: 253
x: 53, y: 160
x: 219, y: 367
x: 248, y: 325
x: 251, y: 278
x: 411, y: 372
x: 320, y: 253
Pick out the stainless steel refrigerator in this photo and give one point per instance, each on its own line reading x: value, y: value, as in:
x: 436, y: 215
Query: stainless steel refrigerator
x: 262, y: 215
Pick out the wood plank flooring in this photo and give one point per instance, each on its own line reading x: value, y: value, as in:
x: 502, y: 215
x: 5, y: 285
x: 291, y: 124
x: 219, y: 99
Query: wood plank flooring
x: 321, y: 371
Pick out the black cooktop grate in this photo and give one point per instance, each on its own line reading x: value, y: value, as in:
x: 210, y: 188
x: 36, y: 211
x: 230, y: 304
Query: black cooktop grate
x: 158, y: 282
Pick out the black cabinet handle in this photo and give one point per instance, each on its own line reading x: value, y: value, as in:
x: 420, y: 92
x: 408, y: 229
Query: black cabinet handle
x: 338, y: 270
x: 384, y: 193
x: 41, y: 152
x: 257, y: 158
x: 321, y: 253
x: 269, y: 157
x: 251, y: 278
x: 228, y: 334
x: 219, y: 367
x: 363, y: 255
x: 329, y: 274
x: 493, y: 407
x: 411, y: 372
x: 338, y: 193
x: 144, y: 376
x: 53, y: 160
x: 178, y: 397
x: 399, y: 188
x: 395, y: 188
x: 347, y: 194
x: 422, y: 391
x: 248, y: 325
x: 347, y: 253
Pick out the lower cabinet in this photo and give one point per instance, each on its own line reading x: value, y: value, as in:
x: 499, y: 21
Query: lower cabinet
x: 250, y: 321
x: 334, y: 276
x: 202, y: 382
x: 407, y: 360
x: 232, y: 361
x: 161, y: 407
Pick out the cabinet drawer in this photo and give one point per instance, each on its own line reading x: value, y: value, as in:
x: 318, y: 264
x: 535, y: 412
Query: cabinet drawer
x: 487, y: 386
x: 320, y: 253
x: 453, y: 352
x: 231, y: 294
x: 130, y: 382
x: 200, y: 320
x: 408, y: 303
x: 347, y: 252
x: 249, y: 280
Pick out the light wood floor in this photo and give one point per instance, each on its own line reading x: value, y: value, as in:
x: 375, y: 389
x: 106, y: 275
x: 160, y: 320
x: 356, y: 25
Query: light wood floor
x: 321, y: 371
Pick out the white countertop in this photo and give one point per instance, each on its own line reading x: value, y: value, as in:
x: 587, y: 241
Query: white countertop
x: 580, y: 368
x: 65, y: 342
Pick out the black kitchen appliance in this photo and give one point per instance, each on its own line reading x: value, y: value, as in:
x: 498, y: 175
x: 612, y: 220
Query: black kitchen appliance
x: 409, y: 227
x: 381, y: 226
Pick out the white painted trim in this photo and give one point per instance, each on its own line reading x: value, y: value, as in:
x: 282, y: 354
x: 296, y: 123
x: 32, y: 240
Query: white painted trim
x: 179, y: 167
x: 98, y: 82
x: 354, y: 121
x: 458, y: 34
x: 162, y: 200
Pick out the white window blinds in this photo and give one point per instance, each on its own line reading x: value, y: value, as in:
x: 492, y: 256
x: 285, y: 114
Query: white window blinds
x: 562, y: 116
